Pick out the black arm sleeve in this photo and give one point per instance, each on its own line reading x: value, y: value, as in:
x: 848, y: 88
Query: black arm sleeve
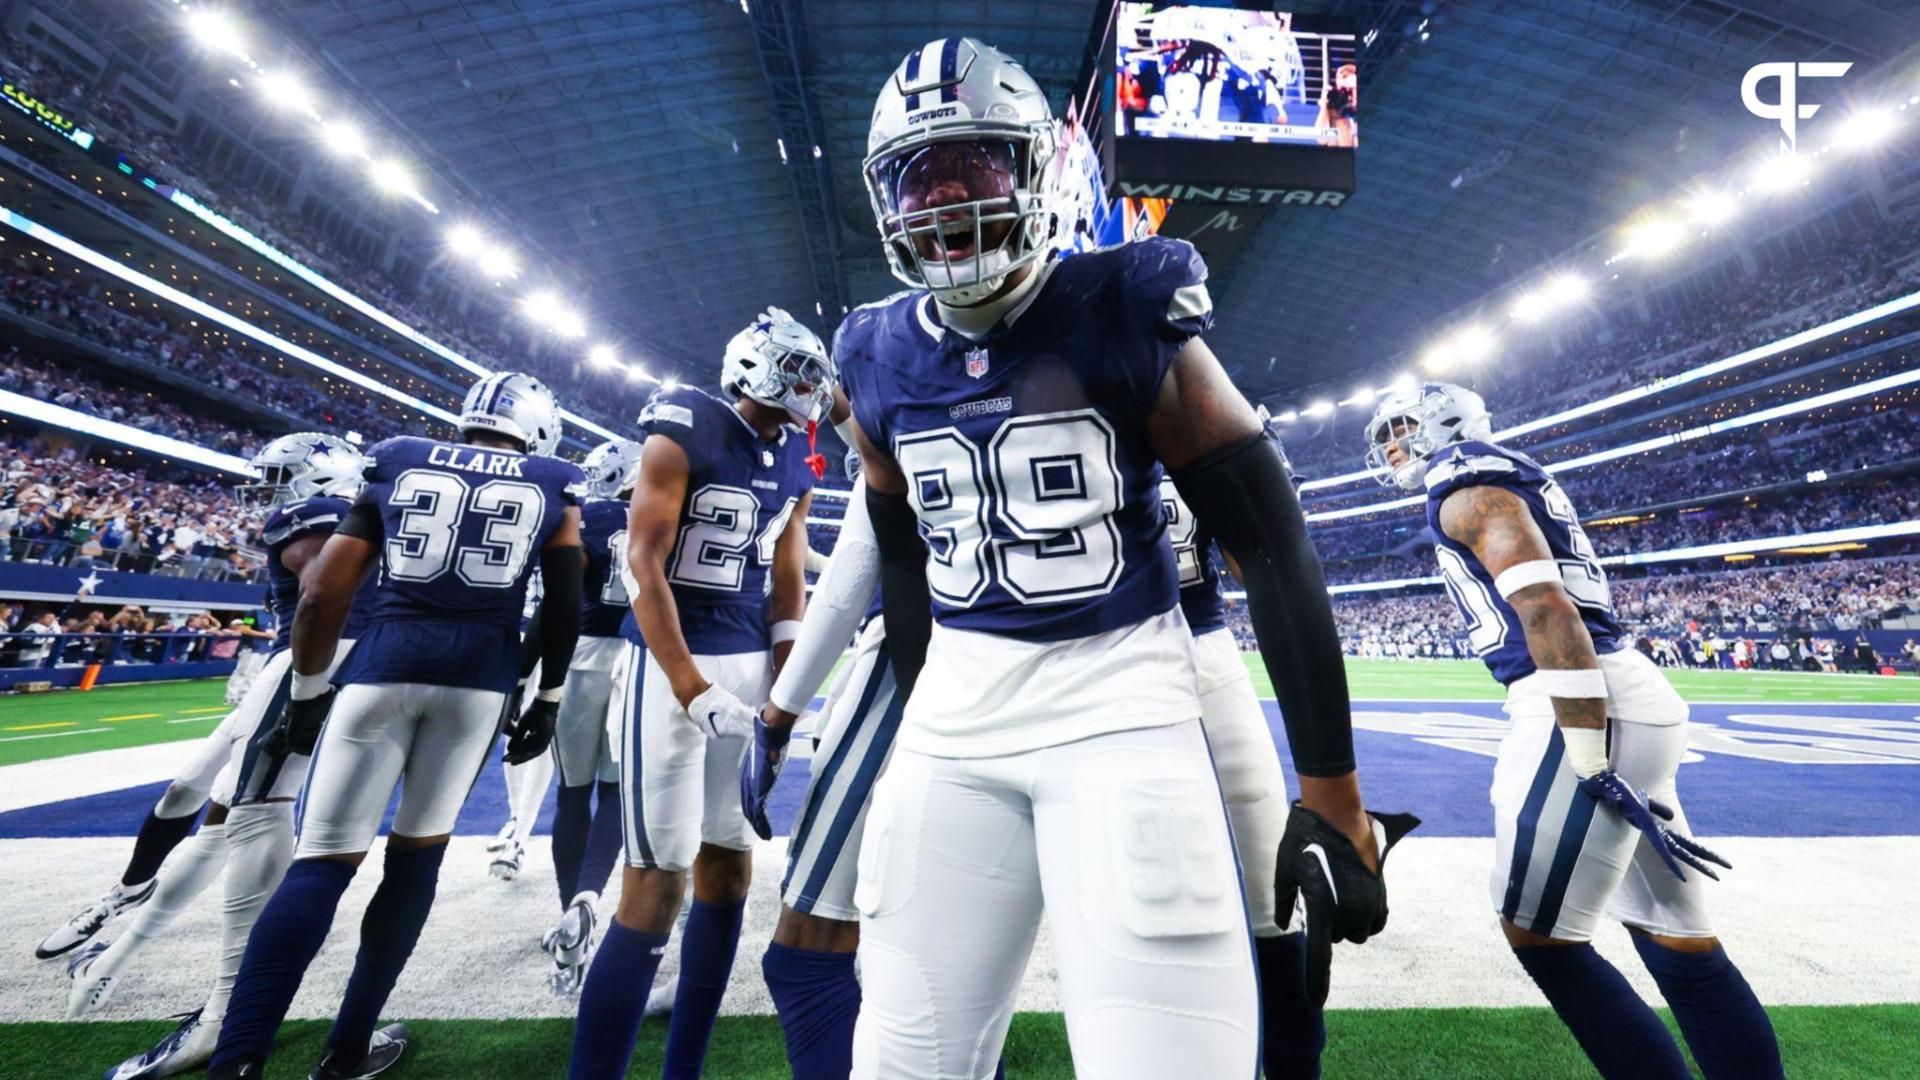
x: 563, y: 571
x: 363, y: 521
x: 904, y: 601
x: 1243, y: 495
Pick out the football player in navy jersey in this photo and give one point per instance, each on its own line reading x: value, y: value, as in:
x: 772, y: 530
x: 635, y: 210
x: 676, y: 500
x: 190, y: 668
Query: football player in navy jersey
x: 586, y: 820
x: 1587, y: 819
x: 455, y: 528
x: 307, y: 482
x: 1013, y: 412
x: 716, y: 550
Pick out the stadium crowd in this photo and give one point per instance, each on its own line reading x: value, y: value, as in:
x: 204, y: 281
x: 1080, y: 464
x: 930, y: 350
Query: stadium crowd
x: 39, y: 635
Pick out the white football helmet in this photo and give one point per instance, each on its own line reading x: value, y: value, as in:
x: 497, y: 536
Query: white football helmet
x: 612, y: 469
x: 772, y: 359
x: 960, y: 168
x: 516, y: 405
x: 300, y: 466
x: 1421, y: 420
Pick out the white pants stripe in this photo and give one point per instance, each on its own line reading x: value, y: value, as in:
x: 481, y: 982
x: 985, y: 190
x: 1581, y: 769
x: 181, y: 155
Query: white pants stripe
x: 856, y: 739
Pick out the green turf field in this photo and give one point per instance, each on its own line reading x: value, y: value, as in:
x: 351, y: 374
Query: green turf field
x: 61, y: 722
x: 1818, y: 1043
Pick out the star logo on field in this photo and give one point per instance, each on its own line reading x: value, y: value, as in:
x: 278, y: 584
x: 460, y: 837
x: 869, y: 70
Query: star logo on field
x: 91, y: 583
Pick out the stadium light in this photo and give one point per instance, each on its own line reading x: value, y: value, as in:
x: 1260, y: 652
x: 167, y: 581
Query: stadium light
x: 286, y: 92
x: 215, y: 30
x: 499, y: 262
x: 1652, y: 237
x: 464, y: 239
x: 603, y: 356
x: 1361, y: 396
x: 670, y: 384
x: 1287, y: 416
x: 1404, y: 382
x: 636, y: 373
x: 1529, y: 307
x: 1323, y: 407
x: 568, y: 324
x: 1567, y: 288
x: 1709, y: 208
x: 1781, y: 172
x: 1867, y: 128
x: 391, y: 177
x: 342, y: 138
x: 541, y: 306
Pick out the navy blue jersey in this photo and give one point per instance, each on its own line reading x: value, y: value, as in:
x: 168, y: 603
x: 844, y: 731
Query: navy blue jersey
x: 462, y: 528
x: 741, y: 492
x: 317, y: 516
x: 1493, y: 629
x: 1200, y: 598
x: 603, y: 532
x: 1026, y: 452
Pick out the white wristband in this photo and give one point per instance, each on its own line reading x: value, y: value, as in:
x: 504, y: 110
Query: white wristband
x: 308, y: 687
x: 784, y: 630
x: 554, y: 694
x: 1577, y: 683
x: 1586, y: 750
x: 1520, y: 575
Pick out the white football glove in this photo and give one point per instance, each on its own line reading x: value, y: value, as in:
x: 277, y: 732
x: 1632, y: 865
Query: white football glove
x: 720, y: 714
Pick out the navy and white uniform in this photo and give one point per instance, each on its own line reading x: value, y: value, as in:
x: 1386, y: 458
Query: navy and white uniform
x: 681, y: 788
x: 422, y: 692
x: 1560, y: 864
x: 229, y: 764
x: 1052, y: 754
x: 581, y: 732
x: 1244, y: 753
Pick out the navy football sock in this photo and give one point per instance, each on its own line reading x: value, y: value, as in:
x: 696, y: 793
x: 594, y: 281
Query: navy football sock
x: 818, y: 999
x: 1620, y: 1034
x: 603, y: 840
x: 388, y: 932
x: 1294, y: 1027
x: 285, y: 938
x: 1724, y: 1025
x: 572, y: 814
x: 157, y: 837
x: 706, y: 961
x: 613, y: 1001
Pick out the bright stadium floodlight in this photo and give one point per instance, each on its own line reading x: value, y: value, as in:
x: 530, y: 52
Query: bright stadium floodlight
x: 670, y: 384
x: 1777, y: 173
x: 603, y: 356
x: 284, y: 91
x: 499, y: 263
x: 1439, y: 358
x: 1475, y: 343
x: 542, y: 306
x: 567, y: 323
x: 1867, y: 129
x: 215, y: 30
x: 465, y: 240
x: 636, y: 373
x: 342, y: 138
x: 391, y: 177
x: 1567, y: 288
x: 1361, y: 396
x: 1709, y: 208
x: 1404, y: 382
x: 1529, y: 307
x: 1287, y: 416
x: 1653, y: 237
x: 1320, y: 408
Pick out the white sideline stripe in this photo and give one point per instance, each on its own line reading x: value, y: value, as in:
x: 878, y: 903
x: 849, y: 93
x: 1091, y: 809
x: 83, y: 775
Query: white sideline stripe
x: 36, y: 783
x: 1791, y: 911
x: 1646, y: 390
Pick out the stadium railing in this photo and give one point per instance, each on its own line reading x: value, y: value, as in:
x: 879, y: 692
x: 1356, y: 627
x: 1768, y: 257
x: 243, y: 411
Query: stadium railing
x: 63, y: 659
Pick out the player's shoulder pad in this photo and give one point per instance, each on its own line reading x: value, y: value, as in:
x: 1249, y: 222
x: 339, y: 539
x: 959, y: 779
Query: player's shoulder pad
x: 1466, y: 464
x: 380, y: 460
x: 858, y: 335
x: 563, y: 474
x: 677, y: 412
x: 1166, y: 280
x: 321, y: 513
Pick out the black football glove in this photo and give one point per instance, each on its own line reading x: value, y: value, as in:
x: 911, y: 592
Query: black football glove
x: 298, y: 726
x: 1344, y: 900
x: 529, y: 733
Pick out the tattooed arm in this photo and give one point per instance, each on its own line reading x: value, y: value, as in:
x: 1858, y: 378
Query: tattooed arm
x: 1494, y: 522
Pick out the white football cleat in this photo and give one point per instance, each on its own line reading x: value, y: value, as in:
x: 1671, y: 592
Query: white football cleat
x: 506, y: 864
x: 88, y: 993
x: 93, y: 918
x: 504, y: 837
x: 570, y: 944
x: 190, y: 1046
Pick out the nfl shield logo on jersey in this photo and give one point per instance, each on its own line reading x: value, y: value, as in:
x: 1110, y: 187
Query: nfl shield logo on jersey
x: 976, y: 363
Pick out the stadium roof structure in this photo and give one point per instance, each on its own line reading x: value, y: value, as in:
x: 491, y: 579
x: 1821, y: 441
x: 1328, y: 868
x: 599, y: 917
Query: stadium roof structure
x: 640, y: 143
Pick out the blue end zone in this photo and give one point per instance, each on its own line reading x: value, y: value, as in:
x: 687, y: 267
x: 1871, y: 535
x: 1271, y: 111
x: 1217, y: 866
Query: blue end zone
x: 1752, y: 780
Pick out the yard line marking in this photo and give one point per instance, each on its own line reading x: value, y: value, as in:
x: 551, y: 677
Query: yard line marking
x: 52, y: 735
x: 189, y: 712
x: 192, y: 719
x: 129, y: 716
x: 41, y: 727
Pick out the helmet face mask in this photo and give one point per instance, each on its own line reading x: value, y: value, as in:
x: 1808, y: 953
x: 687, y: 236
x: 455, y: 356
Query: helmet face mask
x: 781, y: 364
x: 959, y: 170
x: 1420, y: 421
x: 612, y: 469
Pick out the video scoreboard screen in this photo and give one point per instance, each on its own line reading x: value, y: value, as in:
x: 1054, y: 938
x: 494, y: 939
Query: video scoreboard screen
x: 1222, y: 74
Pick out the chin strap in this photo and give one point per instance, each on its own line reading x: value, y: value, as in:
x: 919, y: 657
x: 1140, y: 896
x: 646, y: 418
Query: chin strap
x: 815, y: 460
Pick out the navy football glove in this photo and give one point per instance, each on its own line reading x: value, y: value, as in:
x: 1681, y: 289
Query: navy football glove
x: 1649, y: 816
x: 298, y: 726
x: 529, y: 733
x: 1344, y: 900
x: 759, y: 770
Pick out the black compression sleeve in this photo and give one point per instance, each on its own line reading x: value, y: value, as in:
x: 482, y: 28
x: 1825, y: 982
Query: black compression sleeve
x: 563, y: 572
x: 904, y: 600
x: 363, y: 521
x: 1243, y: 495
